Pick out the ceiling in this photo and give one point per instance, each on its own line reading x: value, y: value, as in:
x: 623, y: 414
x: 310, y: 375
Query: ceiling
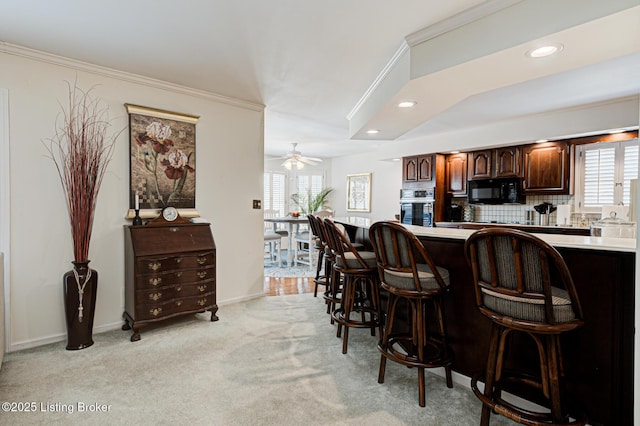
x: 312, y: 62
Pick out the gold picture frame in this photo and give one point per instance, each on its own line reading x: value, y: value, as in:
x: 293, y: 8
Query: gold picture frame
x: 359, y: 192
x: 162, y: 147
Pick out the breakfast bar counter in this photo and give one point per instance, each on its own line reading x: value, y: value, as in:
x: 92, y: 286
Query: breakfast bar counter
x: 598, y: 358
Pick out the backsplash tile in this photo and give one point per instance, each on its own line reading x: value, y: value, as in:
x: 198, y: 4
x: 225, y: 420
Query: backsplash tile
x: 516, y: 213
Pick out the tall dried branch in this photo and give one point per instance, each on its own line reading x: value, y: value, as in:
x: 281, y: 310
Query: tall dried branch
x: 81, y: 151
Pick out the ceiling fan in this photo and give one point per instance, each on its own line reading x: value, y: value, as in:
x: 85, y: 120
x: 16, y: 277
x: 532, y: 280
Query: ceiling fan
x: 295, y: 159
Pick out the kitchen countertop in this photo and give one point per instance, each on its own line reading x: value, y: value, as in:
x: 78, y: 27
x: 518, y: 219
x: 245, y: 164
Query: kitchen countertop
x: 556, y: 240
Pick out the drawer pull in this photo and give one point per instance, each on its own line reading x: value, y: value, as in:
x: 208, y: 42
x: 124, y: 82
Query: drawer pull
x: 155, y: 281
x: 155, y: 266
x: 202, y: 274
x: 178, y: 288
x: 155, y: 311
x: 201, y: 260
x: 155, y: 296
x: 178, y: 259
x: 202, y: 302
x: 178, y: 274
x: 178, y: 302
x: 202, y: 288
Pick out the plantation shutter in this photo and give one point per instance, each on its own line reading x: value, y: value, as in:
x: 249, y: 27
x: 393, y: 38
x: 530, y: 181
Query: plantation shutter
x: 274, y: 192
x: 630, y: 171
x: 606, y: 171
x: 599, y: 170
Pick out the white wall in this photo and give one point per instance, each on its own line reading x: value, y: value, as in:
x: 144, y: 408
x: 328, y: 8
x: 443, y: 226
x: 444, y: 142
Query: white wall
x: 386, y: 181
x: 228, y: 172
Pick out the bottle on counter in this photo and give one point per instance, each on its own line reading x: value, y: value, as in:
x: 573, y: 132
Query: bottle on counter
x: 468, y: 214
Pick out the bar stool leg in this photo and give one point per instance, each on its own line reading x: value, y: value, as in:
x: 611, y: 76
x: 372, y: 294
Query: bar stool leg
x: 492, y: 361
x: 384, y: 337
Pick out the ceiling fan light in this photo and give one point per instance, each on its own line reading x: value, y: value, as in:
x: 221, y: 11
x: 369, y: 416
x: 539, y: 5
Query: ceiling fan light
x: 299, y: 165
x: 287, y: 165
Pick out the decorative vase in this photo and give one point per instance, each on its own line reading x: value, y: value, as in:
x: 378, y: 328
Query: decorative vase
x: 80, y: 289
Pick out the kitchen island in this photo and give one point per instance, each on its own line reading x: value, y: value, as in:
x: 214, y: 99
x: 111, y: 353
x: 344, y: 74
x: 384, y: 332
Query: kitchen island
x: 598, y: 358
x: 536, y: 229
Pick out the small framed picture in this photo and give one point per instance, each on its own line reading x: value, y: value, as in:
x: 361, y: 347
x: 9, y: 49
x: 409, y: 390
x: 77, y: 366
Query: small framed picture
x: 359, y: 192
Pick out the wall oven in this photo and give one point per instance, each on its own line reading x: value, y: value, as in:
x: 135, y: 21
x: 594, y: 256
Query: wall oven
x: 416, y: 207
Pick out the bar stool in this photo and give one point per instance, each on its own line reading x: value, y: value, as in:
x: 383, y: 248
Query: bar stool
x: 320, y: 245
x: 408, y: 273
x: 513, y: 275
x: 333, y: 289
x: 360, y: 304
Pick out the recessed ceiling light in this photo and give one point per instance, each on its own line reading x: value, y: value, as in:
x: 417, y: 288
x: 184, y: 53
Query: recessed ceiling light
x: 407, y: 104
x: 542, y: 51
x: 542, y: 140
x: 455, y: 152
x: 395, y: 159
x: 611, y: 132
x: 373, y: 131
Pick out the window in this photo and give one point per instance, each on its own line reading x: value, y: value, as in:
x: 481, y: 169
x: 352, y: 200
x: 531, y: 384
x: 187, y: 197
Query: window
x: 310, y: 185
x: 274, y: 198
x: 603, y: 174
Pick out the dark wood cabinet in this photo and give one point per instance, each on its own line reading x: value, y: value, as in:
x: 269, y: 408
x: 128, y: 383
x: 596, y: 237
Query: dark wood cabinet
x: 426, y: 165
x: 480, y: 164
x: 418, y: 168
x: 456, y: 174
x: 410, y: 169
x: 546, y: 168
x: 170, y: 270
x: 495, y: 163
x: 508, y: 162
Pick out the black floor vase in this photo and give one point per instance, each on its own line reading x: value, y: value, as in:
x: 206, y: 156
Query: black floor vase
x: 80, y: 289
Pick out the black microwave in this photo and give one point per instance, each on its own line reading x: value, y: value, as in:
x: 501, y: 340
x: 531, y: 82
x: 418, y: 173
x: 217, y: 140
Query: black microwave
x: 495, y: 191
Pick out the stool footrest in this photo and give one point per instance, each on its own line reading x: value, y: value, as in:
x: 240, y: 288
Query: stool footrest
x: 517, y: 414
x: 436, y: 353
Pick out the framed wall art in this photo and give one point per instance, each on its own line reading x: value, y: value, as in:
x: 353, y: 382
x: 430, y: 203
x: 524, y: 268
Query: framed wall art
x: 359, y: 192
x: 162, y: 146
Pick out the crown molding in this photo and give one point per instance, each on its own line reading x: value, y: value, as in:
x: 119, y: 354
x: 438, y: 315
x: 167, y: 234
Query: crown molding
x: 432, y: 31
x: 459, y: 20
x: 404, y: 47
x: 50, y: 58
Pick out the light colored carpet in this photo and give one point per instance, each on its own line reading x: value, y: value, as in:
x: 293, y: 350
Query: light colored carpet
x: 269, y: 361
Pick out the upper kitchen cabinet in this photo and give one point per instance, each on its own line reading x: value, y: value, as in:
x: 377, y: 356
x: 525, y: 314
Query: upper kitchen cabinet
x: 546, y: 168
x: 410, y: 169
x: 495, y: 163
x: 456, y: 174
x: 418, y: 168
x: 508, y: 162
x: 479, y: 163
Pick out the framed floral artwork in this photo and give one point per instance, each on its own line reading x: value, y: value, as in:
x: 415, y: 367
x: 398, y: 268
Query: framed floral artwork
x: 162, y: 146
x: 359, y: 192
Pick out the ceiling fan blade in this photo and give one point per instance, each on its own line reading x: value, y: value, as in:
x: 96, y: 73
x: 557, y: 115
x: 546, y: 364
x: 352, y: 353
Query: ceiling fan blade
x: 318, y: 160
x: 308, y: 161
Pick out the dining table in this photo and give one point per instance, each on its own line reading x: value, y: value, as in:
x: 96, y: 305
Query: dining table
x: 293, y: 225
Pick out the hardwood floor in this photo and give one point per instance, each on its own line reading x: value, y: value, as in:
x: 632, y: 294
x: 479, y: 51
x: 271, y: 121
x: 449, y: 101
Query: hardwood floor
x: 280, y: 286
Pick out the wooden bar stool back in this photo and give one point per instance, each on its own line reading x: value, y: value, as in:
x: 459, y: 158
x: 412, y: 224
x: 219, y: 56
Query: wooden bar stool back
x: 360, y: 303
x: 523, y: 285
x: 409, y: 274
x: 320, y: 246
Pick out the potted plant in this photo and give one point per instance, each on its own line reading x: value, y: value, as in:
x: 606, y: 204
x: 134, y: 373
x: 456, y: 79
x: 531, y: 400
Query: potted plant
x: 310, y: 204
x: 81, y: 151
